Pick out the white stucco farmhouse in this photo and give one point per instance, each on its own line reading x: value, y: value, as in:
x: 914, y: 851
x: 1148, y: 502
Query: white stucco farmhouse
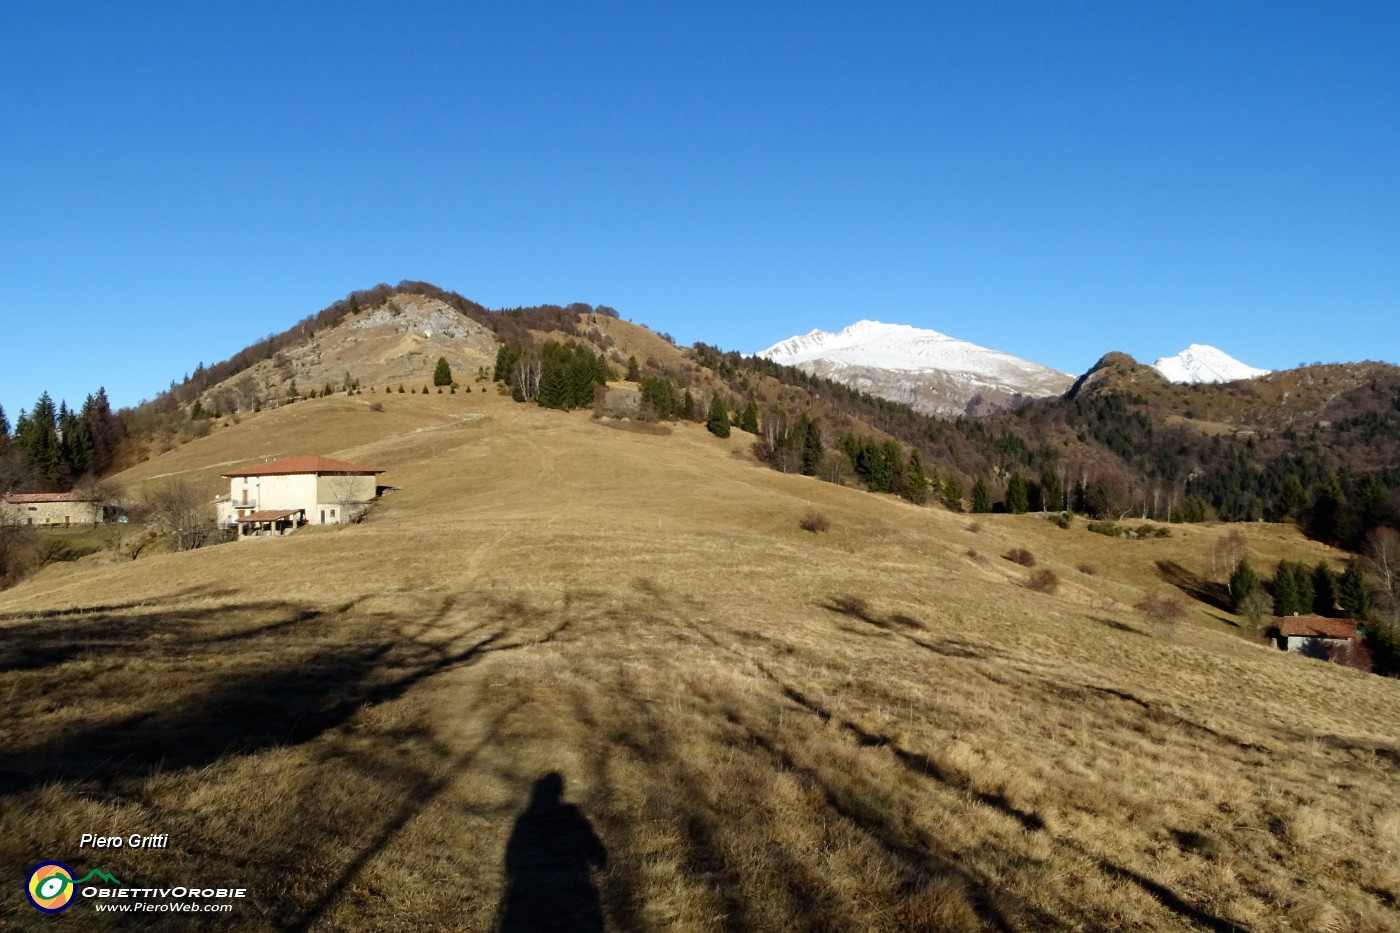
x: 278, y: 496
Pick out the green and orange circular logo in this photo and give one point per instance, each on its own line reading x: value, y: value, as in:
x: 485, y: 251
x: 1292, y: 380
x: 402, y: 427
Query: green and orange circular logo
x: 50, y: 887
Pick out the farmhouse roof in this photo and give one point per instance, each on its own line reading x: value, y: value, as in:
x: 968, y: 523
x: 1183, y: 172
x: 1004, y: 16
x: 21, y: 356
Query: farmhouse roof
x: 271, y: 515
x: 1316, y: 627
x: 291, y: 465
x: 22, y: 498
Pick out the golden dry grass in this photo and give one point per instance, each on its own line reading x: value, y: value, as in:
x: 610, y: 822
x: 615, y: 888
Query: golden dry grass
x: 766, y: 729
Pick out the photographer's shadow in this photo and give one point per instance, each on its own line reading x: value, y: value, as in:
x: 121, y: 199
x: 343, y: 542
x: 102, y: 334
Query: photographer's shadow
x: 549, y: 861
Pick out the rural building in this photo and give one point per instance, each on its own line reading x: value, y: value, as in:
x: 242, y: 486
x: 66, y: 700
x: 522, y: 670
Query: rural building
x: 281, y: 495
x: 50, y: 508
x: 1314, y: 636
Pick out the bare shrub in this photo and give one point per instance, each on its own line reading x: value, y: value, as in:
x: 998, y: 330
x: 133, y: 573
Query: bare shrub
x: 1044, y: 580
x: 975, y: 527
x: 1087, y: 569
x: 976, y: 556
x: 376, y: 406
x: 814, y: 521
x: 1164, y: 609
x: 1020, y: 555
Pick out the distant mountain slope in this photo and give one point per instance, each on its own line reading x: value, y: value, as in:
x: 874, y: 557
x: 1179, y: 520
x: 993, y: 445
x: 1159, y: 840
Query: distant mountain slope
x: 924, y: 369
x: 1201, y: 363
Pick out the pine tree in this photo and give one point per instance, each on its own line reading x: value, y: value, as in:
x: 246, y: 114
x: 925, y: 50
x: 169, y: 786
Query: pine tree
x: 718, y: 422
x: 1017, y: 495
x: 1243, y: 582
x: 1352, y: 593
x: 916, y: 479
x: 633, y: 373
x: 4, y: 427
x: 748, y: 419
x: 36, y: 436
x: 292, y: 393
x: 981, y: 496
x: 688, y: 404
x: 442, y: 374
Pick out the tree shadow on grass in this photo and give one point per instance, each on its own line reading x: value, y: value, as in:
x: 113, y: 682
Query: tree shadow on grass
x: 1194, y: 585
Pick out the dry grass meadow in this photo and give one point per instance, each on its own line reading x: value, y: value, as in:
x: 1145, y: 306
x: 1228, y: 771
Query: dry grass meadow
x: 574, y: 677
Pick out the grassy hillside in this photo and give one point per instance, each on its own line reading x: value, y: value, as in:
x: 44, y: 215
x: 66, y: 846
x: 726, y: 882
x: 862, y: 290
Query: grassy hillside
x: 570, y: 671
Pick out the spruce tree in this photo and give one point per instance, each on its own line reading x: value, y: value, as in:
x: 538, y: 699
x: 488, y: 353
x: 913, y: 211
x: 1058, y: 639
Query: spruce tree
x: 1324, y: 591
x: 718, y: 422
x: 811, y: 438
x: 748, y: 418
x: 1052, y: 493
x: 952, y: 494
x: 4, y: 427
x: 981, y: 496
x: 633, y: 373
x: 442, y: 374
x: 916, y: 479
x: 1017, y: 495
x: 1243, y: 583
x: 1293, y: 589
x: 1352, y: 593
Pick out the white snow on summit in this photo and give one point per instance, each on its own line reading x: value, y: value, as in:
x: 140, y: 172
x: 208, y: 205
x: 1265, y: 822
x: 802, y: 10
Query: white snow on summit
x: 924, y: 369
x: 903, y: 348
x: 1200, y: 363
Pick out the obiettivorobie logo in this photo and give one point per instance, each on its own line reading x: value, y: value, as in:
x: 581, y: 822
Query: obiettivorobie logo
x: 51, y: 885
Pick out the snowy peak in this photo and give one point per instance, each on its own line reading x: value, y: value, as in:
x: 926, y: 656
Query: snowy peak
x: 929, y: 371
x: 1201, y: 363
x: 902, y: 348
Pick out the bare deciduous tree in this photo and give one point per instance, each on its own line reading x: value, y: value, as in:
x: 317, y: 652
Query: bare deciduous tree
x: 1383, y: 558
x: 16, y: 540
x: 177, y: 509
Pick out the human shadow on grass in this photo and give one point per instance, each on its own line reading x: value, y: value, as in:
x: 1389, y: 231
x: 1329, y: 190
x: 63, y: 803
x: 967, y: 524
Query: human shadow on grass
x: 548, y: 866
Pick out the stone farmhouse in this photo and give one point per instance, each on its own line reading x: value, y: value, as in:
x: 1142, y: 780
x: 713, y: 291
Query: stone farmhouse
x: 50, y: 508
x: 279, y: 496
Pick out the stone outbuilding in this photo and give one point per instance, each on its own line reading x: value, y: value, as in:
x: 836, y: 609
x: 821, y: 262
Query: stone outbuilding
x: 1314, y: 636
x: 51, y: 508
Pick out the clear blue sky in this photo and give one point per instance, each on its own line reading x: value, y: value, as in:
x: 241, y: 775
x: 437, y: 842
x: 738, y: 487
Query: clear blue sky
x: 1053, y: 179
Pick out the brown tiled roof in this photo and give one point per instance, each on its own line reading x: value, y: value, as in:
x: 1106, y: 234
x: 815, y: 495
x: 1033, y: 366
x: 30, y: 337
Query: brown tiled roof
x: 1316, y: 627
x: 289, y: 465
x: 21, y: 498
x: 272, y: 515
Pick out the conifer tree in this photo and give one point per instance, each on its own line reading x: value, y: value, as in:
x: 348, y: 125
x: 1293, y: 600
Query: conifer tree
x: 1352, y: 593
x: 718, y: 422
x: 748, y: 419
x: 1052, y: 493
x: 633, y: 373
x: 916, y: 480
x: 1324, y: 590
x: 292, y: 393
x: 4, y: 427
x: 688, y: 405
x: 981, y: 496
x: 442, y: 374
x: 952, y: 494
x: 811, y: 438
x: 1293, y: 590
x: 1243, y: 582
x: 1017, y: 495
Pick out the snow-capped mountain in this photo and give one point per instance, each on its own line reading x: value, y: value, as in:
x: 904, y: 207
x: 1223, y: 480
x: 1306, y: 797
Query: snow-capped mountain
x: 1200, y: 363
x: 924, y: 369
